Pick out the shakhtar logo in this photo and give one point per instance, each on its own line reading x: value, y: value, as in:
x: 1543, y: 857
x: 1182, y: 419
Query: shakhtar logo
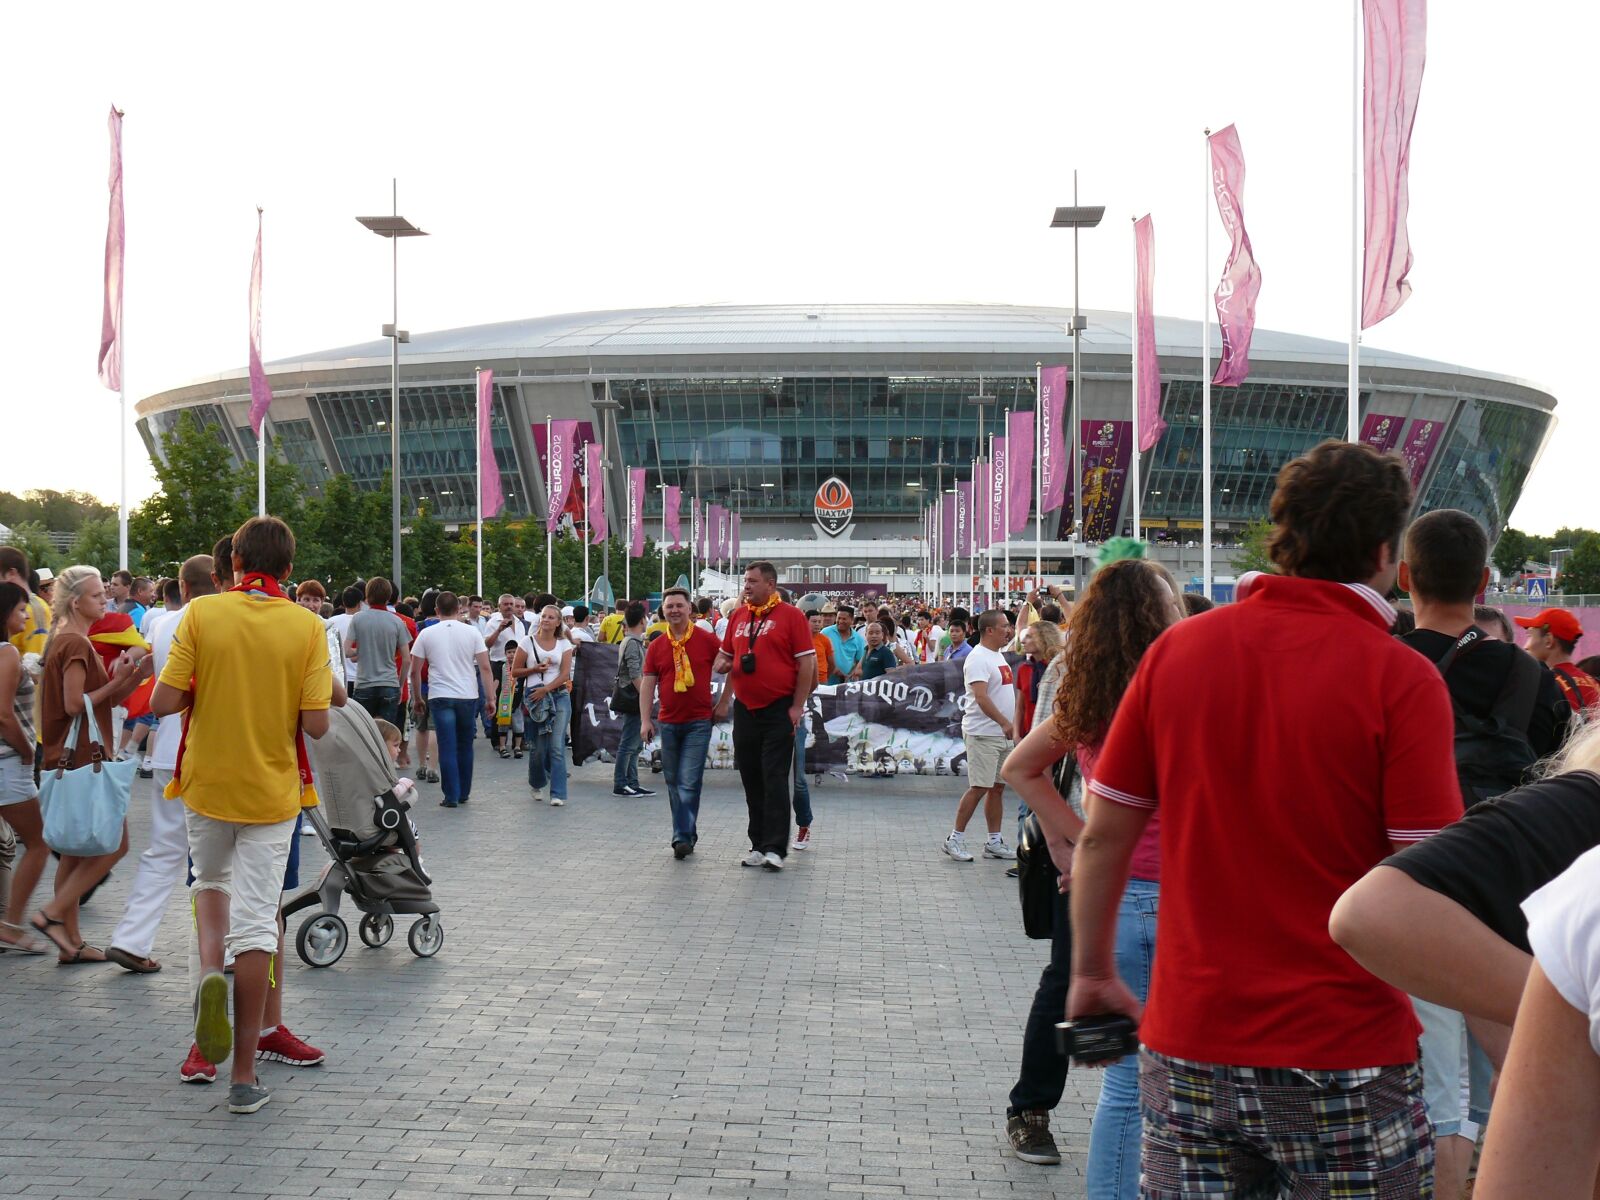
x: 834, y: 506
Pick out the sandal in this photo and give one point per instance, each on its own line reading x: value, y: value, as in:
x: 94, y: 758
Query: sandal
x: 44, y: 925
x: 78, y: 960
x: 132, y: 962
x: 504, y: 753
x: 28, y: 945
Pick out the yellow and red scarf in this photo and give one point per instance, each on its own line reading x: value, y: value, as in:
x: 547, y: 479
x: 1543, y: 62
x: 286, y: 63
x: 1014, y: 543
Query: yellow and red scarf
x: 253, y: 581
x: 682, y: 671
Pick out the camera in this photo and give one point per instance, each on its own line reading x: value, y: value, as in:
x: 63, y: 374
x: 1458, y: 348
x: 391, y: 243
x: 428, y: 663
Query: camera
x: 1091, y: 1041
x: 747, y: 663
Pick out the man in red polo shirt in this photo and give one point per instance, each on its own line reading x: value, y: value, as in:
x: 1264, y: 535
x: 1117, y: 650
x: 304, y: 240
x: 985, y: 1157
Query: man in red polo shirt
x: 1290, y: 744
x: 679, y: 665
x: 1553, y: 635
x: 771, y: 665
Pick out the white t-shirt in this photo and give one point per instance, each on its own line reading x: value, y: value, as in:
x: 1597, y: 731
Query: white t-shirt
x: 702, y: 623
x: 721, y: 631
x: 451, y: 651
x: 1564, y: 931
x: 550, y: 659
x: 989, y: 667
x: 340, y: 624
x: 582, y: 633
x: 147, y: 623
x: 518, y: 632
x: 169, y: 732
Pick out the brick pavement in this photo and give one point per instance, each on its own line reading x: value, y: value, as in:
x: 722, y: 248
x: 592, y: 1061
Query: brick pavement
x: 602, y: 1021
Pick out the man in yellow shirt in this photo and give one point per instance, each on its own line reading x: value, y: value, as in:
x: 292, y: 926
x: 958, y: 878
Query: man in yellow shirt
x: 611, y: 627
x: 251, y: 668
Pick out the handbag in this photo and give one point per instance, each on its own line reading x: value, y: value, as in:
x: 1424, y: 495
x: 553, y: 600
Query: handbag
x: 1038, y: 880
x: 540, y: 713
x: 624, y: 693
x: 86, y: 807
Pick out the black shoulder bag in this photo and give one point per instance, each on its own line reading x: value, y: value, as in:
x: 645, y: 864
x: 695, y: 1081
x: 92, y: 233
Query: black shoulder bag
x: 1038, y: 880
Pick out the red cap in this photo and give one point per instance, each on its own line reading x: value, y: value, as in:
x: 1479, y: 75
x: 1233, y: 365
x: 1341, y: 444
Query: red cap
x: 1557, y: 620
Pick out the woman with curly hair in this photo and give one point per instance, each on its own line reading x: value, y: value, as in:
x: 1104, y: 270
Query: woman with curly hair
x: 1126, y: 607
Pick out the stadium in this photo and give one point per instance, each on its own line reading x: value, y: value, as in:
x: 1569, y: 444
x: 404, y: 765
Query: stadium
x: 755, y: 407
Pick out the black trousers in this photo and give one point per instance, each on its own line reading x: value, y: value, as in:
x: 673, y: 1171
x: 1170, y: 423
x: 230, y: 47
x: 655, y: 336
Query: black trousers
x: 1043, y: 1077
x: 763, y: 750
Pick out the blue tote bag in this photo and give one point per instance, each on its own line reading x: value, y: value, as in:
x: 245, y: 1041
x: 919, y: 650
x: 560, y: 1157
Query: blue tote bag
x: 84, y: 808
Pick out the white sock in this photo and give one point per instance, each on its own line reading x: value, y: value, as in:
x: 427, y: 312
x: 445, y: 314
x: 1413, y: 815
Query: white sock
x: 995, y: 839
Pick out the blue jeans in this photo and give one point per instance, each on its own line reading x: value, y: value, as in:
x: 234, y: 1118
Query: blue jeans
x: 381, y: 702
x: 625, y: 772
x: 1114, y: 1138
x: 802, y: 789
x: 683, y: 765
x: 547, y: 750
x: 453, y: 723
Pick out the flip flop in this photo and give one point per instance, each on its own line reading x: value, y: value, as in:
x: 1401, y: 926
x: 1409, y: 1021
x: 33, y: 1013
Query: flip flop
x: 78, y: 960
x: 132, y: 962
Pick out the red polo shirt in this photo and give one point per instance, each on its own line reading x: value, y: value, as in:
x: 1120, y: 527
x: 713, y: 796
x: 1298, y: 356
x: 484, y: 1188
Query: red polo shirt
x: 1287, y: 741
x: 782, y: 638
x: 679, y: 708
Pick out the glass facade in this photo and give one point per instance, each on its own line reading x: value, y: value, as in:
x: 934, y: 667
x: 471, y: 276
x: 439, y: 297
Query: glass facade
x: 768, y: 443
x: 1486, y: 461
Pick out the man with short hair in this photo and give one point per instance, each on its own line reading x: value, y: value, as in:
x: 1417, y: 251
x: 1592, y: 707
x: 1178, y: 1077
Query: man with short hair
x: 956, y: 646
x: 988, y: 712
x: 458, y: 675
x: 350, y: 601
x: 879, y: 656
x: 678, y: 667
x: 580, y: 624
x: 1553, y: 636
x: 119, y: 588
x: 1273, y: 1064
x: 767, y: 650
x: 378, y: 642
x: 926, y: 638
x: 630, y: 673
x: 849, y: 647
x: 251, y: 670
x: 501, y: 630
x: 474, y: 611
x: 612, y: 626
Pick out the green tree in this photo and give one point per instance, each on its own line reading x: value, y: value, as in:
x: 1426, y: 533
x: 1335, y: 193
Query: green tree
x: 98, y: 543
x: 198, y: 500
x: 1511, y: 552
x: 428, y: 557
x: 285, y: 492
x: 61, y: 511
x: 33, y: 539
x: 1580, y: 575
x: 344, y: 533
x: 1252, y: 555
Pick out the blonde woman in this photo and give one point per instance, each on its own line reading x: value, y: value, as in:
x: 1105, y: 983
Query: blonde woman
x: 75, y: 680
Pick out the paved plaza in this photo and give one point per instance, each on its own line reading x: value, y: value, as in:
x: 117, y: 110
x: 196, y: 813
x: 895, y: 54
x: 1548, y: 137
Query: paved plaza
x: 602, y: 1021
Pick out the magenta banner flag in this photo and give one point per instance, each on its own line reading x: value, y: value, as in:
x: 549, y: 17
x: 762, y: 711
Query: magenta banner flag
x: 697, y: 516
x: 1397, y: 45
x: 636, y: 511
x: 997, y: 492
x: 111, y: 313
x: 714, y: 531
x: 1151, y: 426
x: 964, y: 544
x: 733, y: 536
x: 1019, y: 465
x: 1105, y: 473
x: 490, y: 495
x: 1381, y: 432
x: 947, y: 525
x: 672, y: 499
x: 1241, y: 278
x: 1419, y: 446
x: 559, y: 464
x: 596, y: 494
x: 260, y: 390
x: 1053, y: 464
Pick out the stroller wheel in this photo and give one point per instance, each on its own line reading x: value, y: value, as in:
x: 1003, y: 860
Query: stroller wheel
x: 322, y: 939
x: 376, y: 929
x: 426, y: 936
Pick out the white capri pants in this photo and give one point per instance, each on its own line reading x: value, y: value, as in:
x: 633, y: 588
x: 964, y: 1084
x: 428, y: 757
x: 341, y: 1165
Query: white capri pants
x: 248, y: 862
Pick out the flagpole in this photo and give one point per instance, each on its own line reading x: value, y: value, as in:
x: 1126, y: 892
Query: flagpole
x: 1133, y: 380
x: 549, y: 504
x: 477, y: 428
x: 1005, y: 509
x: 587, y: 531
x: 627, y: 548
x: 1038, y: 474
x: 662, y: 487
x: 1205, y: 386
x: 1353, y: 398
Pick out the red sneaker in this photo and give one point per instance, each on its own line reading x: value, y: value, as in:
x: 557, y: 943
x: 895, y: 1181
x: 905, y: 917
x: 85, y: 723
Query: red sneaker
x: 196, y: 1069
x: 279, y: 1045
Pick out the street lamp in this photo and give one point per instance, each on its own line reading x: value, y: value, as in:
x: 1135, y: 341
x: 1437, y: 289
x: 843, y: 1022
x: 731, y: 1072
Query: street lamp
x: 394, y: 227
x: 1076, y: 217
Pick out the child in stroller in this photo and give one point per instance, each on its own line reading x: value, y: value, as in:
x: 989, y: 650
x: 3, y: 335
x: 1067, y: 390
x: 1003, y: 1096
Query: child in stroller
x: 362, y: 823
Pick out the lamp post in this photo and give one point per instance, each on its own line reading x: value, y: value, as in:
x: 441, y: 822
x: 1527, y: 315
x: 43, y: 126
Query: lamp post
x: 394, y: 227
x: 1076, y: 217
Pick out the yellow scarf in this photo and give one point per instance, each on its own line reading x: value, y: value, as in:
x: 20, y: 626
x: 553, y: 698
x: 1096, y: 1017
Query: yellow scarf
x: 682, y: 672
x: 772, y: 602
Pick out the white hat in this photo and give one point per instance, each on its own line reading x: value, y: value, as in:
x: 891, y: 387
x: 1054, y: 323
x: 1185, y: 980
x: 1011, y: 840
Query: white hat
x: 46, y: 574
x: 566, y: 610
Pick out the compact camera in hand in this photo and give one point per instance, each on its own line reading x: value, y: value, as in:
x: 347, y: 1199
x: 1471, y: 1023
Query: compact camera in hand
x: 1092, y: 1041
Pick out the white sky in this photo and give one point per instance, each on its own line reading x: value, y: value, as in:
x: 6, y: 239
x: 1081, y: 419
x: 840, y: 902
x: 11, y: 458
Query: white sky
x: 607, y: 156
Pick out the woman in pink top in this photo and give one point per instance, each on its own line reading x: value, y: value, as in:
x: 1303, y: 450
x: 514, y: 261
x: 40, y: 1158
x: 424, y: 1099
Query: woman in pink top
x: 1126, y: 607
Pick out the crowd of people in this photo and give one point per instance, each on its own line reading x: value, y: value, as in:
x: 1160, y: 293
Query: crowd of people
x: 1334, y: 860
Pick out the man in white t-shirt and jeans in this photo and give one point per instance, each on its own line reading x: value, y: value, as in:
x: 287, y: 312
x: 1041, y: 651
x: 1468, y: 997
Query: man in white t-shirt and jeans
x: 988, y: 708
x: 499, y: 630
x: 458, y: 666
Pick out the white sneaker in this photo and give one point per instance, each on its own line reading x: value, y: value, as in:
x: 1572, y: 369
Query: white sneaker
x: 754, y: 859
x: 538, y: 794
x: 772, y: 862
x: 557, y: 802
x: 802, y: 840
x: 996, y: 848
x: 956, y: 847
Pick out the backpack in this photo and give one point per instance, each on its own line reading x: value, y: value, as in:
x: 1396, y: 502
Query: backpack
x: 1493, y: 754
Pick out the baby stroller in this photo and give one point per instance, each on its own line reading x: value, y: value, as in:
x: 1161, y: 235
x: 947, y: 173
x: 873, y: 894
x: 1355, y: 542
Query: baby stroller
x: 363, y: 825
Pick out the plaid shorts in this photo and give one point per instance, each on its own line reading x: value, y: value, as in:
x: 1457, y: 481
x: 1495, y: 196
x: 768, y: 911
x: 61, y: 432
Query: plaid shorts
x: 1258, y: 1133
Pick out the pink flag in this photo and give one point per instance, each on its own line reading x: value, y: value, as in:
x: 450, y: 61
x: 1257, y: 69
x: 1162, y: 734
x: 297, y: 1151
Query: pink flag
x: 719, y: 532
x: 980, y: 505
x: 595, y: 494
x: 1053, y: 463
x: 947, y: 526
x: 490, y: 497
x: 963, y: 540
x: 1397, y: 34
x: 1241, y: 278
x: 260, y: 391
x: 1020, y: 465
x: 636, y: 511
x: 733, y: 537
x: 111, y: 314
x: 997, y: 492
x: 558, y: 468
x: 1151, y: 426
x: 671, y: 499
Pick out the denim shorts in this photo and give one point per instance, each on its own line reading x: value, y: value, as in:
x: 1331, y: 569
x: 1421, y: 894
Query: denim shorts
x: 16, y: 781
x: 1451, y: 1058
